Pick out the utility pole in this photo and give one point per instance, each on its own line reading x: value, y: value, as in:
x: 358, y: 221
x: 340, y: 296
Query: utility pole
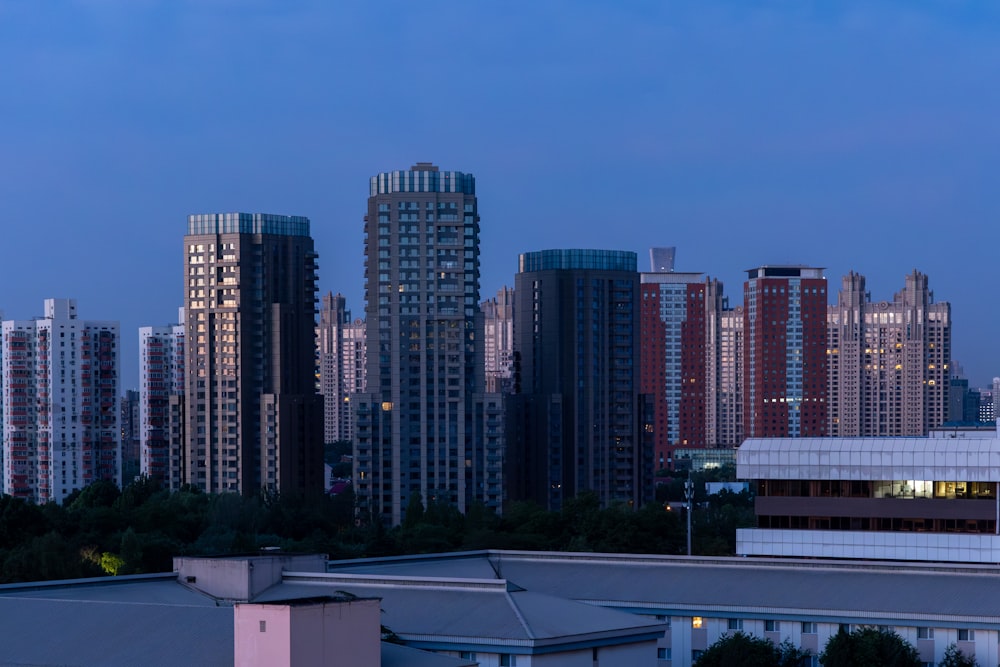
x: 689, y: 496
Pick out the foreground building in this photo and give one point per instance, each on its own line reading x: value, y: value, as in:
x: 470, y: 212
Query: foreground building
x: 493, y: 608
x: 252, y: 415
x: 918, y: 499
x: 577, y: 420
x: 425, y: 425
x: 61, y: 417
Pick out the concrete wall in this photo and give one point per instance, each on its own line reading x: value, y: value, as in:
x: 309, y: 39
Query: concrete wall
x: 242, y: 578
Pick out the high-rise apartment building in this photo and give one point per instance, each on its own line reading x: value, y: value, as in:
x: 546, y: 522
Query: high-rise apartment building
x: 61, y: 427
x: 498, y: 332
x: 161, y: 402
x: 785, y: 373
x: 425, y: 424
x: 578, y: 421
x: 342, y: 351
x: 129, y: 420
x: 731, y: 389
x: 681, y: 319
x: 253, y: 417
x: 888, y: 361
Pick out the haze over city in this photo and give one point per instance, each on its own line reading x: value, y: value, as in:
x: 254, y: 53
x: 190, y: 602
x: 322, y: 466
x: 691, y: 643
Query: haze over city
x: 860, y: 136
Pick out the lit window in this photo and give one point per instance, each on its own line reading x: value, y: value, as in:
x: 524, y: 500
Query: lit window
x: 696, y: 622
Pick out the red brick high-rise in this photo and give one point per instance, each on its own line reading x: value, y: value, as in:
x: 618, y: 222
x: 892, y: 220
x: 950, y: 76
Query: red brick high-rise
x: 784, y: 365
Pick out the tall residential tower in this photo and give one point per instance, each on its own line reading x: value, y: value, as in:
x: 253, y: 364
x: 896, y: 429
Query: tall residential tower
x: 61, y: 426
x: 253, y: 418
x: 578, y: 421
x: 342, y: 351
x: 425, y: 424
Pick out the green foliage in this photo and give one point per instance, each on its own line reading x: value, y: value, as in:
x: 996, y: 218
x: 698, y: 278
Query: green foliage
x: 871, y: 647
x: 955, y: 658
x: 741, y: 650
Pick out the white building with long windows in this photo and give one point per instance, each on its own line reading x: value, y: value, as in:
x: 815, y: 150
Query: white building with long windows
x: 61, y: 426
x: 910, y: 499
x: 161, y: 401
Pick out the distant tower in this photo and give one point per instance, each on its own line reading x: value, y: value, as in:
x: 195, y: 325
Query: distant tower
x: 889, y: 362
x: 785, y: 342
x: 661, y: 260
x: 253, y: 417
x: 342, y: 355
x: 425, y: 424
x: 129, y: 406
x: 61, y: 427
x: 579, y: 422
x: 681, y: 317
x: 161, y: 402
x: 498, y: 326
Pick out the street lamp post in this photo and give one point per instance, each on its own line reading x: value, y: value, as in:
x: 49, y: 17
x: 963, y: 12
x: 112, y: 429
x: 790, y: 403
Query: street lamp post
x: 689, y: 496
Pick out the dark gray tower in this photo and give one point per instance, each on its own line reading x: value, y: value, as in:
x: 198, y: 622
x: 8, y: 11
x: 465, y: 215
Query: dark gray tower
x: 425, y: 424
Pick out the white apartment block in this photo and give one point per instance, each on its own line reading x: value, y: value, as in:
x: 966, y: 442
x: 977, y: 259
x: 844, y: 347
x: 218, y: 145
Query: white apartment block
x: 161, y: 392
x: 61, y: 427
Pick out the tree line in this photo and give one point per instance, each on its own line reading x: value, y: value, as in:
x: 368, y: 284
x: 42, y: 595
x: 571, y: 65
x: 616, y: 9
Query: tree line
x: 103, y: 530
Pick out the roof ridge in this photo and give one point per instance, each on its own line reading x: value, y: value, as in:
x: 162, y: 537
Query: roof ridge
x: 519, y: 615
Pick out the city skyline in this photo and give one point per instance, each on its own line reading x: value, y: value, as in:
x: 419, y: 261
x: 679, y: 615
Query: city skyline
x: 849, y: 138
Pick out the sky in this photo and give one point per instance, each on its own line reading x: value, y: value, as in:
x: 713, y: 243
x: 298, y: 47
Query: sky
x: 852, y: 136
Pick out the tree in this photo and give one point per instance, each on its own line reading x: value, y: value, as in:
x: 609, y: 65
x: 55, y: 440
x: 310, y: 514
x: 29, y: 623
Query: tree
x: 955, y: 658
x: 872, y: 647
x: 742, y: 650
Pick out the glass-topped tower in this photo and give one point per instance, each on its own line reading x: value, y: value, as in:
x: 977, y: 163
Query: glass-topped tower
x: 578, y: 422
x: 425, y: 424
x: 252, y: 416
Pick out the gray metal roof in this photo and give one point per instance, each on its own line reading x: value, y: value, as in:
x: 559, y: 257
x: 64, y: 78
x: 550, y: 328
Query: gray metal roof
x: 394, y: 655
x: 471, y: 611
x: 728, y: 585
x: 113, y: 634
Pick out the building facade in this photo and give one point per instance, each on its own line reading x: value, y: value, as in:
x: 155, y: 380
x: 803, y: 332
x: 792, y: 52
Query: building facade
x: 888, y: 361
x: 680, y: 321
x: 498, y: 333
x: 128, y: 406
x: 253, y: 417
x: 425, y: 425
x: 920, y: 499
x: 731, y: 385
x: 161, y: 401
x: 342, y: 360
x: 785, y: 342
x: 579, y: 422
x: 61, y: 426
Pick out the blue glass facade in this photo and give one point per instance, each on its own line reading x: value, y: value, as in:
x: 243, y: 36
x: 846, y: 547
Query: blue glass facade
x: 580, y: 260
x: 248, y: 223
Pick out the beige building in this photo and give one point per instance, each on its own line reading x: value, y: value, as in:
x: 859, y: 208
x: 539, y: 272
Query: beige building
x: 342, y: 354
x: 730, y: 393
x: 888, y: 361
x: 498, y: 339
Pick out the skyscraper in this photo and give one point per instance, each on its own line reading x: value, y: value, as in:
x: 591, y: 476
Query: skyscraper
x: 731, y: 388
x: 888, y: 361
x: 342, y: 351
x: 161, y: 402
x: 129, y: 420
x: 425, y: 424
x: 681, y: 318
x: 253, y: 418
x: 785, y: 373
x: 578, y: 422
x: 61, y: 427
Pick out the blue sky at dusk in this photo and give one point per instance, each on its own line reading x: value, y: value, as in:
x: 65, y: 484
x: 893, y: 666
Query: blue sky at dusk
x: 849, y: 135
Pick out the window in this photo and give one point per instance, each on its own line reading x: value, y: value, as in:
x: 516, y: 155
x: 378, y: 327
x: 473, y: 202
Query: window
x: 663, y: 654
x: 966, y: 635
x: 697, y: 621
x: 508, y: 660
x: 846, y: 627
x: 735, y: 624
x: 808, y: 628
x: 695, y: 655
x: 925, y: 633
x: 772, y: 626
x: 467, y: 655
